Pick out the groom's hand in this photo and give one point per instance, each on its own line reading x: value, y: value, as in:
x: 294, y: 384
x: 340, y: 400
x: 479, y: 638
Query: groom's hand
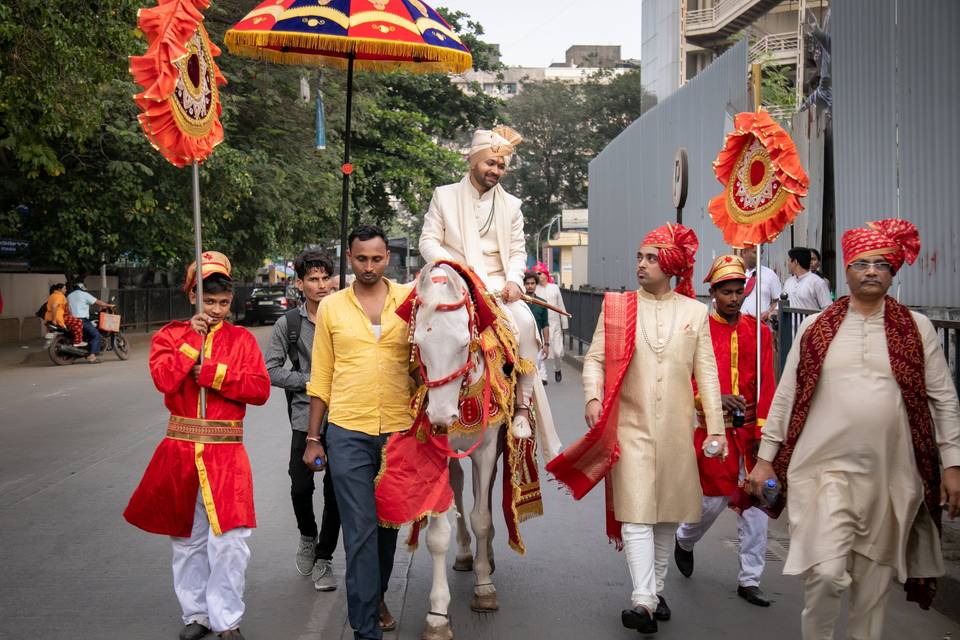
x: 510, y: 292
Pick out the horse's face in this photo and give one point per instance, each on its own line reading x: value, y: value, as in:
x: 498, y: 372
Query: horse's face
x: 443, y: 340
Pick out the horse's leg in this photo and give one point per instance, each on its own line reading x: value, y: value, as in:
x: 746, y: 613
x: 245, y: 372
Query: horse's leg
x: 464, y: 561
x: 484, y: 459
x: 438, y: 541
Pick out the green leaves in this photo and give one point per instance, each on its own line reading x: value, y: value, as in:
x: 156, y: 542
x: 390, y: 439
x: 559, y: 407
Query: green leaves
x: 78, y: 179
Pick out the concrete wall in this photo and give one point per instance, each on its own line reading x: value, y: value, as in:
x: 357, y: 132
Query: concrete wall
x: 631, y: 179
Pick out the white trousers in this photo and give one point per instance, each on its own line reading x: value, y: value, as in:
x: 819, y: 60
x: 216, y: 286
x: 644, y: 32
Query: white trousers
x: 647, y: 547
x: 208, y: 573
x: 824, y: 584
x: 525, y: 327
x: 751, y: 529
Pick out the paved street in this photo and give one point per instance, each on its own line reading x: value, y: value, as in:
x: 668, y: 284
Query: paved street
x: 76, y: 439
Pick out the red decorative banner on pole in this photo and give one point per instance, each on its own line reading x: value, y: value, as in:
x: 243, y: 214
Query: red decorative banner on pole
x: 180, y: 102
x: 763, y: 181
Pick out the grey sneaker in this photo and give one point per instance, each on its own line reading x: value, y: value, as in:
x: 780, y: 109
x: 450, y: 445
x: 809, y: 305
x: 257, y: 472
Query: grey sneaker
x: 323, y: 579
x: 306, y: 552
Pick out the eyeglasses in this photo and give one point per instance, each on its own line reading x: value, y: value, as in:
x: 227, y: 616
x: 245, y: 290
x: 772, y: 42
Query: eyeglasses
x: 863, y: 265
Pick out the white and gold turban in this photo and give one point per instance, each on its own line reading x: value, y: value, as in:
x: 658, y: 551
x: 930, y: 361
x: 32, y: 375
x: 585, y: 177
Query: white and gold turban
x: 497, y: 143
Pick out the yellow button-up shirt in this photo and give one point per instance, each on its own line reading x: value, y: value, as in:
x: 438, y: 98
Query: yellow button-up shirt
x: 365, y: 382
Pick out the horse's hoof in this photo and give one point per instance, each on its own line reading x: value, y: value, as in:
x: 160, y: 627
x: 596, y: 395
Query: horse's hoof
x: 521, y: 427
x: 463, y: 563
x: 443, y: 632
x: 484, y: 603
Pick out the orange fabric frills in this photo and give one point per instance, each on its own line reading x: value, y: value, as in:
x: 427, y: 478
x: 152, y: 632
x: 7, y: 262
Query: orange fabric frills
x: 763, y: 181
x: 180, y: 102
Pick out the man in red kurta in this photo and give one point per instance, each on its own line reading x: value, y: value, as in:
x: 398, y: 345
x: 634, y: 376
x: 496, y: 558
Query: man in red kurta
x: 734, y: 338
x: 198, y: 487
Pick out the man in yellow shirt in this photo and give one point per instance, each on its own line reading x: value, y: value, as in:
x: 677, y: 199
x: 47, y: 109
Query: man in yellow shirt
x: 360, y: 372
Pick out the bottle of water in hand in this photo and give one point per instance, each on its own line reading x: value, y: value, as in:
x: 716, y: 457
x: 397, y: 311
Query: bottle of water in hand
x: 712, y: 449
x: 771, y: 492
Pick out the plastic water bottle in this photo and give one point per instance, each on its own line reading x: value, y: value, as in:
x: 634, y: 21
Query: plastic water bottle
x: 771, y: 492
x: 712, y: 449
x: 318, y: 462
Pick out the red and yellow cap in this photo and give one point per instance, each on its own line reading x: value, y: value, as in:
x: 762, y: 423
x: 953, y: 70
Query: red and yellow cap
x: 726, y: 267
x: 213, y: 262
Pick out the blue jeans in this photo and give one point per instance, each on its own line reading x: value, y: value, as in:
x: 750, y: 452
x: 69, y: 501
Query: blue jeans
x: 92, y: 335
x: 354, y: 460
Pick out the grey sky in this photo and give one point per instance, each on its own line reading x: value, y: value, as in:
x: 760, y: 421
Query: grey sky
x: 538, y: 32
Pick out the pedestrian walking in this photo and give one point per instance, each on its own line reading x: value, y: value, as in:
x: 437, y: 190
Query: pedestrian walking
x: 769, y: 291
x: 803, y: 288
x: 361, y: 373
x: 734, y: 339
x: 864, y: 416
x: 530, y: 281
x: 292, y: 339
x: 550, y: 293
x: 198, y: 487
x: 640, y: 413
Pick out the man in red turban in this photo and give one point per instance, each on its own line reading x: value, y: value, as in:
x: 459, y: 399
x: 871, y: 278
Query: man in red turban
x: 677, y: 247
x: 647, y: 346
x: 862, y: 478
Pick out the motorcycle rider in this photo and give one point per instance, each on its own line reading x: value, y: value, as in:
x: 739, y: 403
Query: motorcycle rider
x: 80, y: 301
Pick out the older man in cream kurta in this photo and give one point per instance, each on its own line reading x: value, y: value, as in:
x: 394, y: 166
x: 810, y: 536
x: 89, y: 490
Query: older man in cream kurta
x: 855, y: 493
x: 656, y: 483
x: 477, y: 223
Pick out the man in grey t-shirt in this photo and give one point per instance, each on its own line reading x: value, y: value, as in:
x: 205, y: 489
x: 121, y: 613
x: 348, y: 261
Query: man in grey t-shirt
x: 314, y: 552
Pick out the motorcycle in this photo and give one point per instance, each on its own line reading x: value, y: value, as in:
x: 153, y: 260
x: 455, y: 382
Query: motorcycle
x: 60, y: 347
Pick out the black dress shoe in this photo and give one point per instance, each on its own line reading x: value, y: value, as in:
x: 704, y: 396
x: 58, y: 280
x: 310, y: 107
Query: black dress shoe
x: 683, y: 558
x: 558, y: 375
x: 753, y: 595
x: 663, y: 611
x: 640, y: 619
x: 193, y: 631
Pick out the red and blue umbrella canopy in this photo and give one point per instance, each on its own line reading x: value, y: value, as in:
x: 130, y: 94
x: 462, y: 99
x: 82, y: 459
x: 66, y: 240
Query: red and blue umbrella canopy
x: 380, y: 35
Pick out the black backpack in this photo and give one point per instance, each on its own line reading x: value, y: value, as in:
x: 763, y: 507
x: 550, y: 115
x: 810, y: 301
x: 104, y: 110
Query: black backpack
x: 293, y: 336
x: 42, y: 311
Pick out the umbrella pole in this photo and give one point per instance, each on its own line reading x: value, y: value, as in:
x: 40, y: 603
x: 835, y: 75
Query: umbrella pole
x: 198, y: 256
x: 759, y: 290
x: 347, y: 170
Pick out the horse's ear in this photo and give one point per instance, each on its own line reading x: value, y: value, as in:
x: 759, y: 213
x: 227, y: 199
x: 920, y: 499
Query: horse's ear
x: 454, y: 282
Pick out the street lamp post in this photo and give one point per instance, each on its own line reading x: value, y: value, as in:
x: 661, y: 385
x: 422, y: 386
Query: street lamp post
x: 547, y: 226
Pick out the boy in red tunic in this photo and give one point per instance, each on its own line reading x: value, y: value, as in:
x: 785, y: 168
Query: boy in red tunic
x: 198, y: 487
x: 734, y: 340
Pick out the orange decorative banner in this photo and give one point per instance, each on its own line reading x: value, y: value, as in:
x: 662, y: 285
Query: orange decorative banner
x: 763, y: 181
x: 180, y: 102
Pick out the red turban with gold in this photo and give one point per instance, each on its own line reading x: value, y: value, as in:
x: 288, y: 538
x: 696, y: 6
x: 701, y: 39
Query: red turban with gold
x: 895, y: 239
x: 678, y: 246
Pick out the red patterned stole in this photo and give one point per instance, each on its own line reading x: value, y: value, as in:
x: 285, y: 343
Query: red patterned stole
x: 905, y: 346
x: 584, y: 463
x: 751, y: 283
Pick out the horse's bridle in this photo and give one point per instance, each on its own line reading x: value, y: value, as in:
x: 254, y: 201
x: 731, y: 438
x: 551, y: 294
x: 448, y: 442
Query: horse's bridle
x: 465, y: 301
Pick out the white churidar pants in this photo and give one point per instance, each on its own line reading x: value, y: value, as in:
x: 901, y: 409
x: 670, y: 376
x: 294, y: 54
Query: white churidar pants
x: 647, y: 547
x: 208, y: 573
x: 751, y: 529
x: 824, y: 584
x: 526, y: 331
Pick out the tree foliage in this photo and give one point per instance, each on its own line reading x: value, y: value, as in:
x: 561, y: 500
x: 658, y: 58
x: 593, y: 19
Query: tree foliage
x: 564, y: 126
x: 80, y: 182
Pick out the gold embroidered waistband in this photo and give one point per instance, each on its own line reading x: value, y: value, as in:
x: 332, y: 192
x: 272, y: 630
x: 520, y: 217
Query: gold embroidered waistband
x: 206, y: 431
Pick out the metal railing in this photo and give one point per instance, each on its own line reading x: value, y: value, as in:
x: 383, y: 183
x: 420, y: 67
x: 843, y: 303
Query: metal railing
x: 779, y: 46
x: 780, y: 112
x: 145, y: 308
x: 718, y: 13
x: 585, y: 306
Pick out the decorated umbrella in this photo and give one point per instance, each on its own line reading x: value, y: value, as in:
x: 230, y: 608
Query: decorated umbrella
x: 376, y: 35
x: 180, y: 102
x: 762, y: 185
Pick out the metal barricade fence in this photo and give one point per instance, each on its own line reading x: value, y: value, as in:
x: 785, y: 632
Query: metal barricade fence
x: 585, y: 306
x: 147, y: 308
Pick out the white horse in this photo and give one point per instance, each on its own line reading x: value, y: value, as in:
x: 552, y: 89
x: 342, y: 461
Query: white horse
x: 444, y: 337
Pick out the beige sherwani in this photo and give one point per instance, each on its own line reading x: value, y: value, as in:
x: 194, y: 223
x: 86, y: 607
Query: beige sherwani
x: 451, y: 232
x: 853, y: 480
x: 855, y: 497
x: 656, y: 478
